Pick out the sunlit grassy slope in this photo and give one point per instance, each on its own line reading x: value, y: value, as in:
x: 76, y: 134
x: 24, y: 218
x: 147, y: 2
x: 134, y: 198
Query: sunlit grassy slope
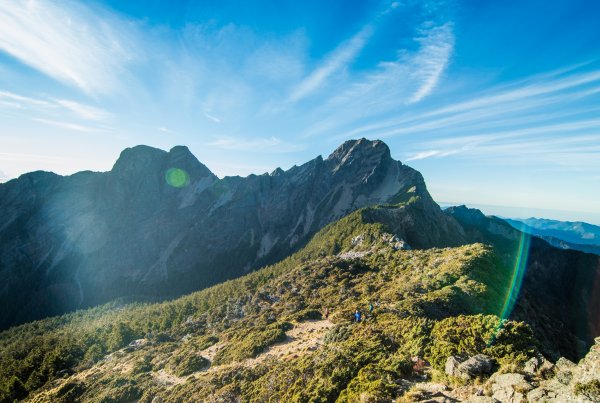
x: 432, y: 303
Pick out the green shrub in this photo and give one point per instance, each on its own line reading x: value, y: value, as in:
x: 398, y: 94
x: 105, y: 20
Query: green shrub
x: 187, y: 363
x: 338, y: 334
x: 142, y: 365
x: 244, y: 344
x: 204, y: 342
x: 506, y: 341
x: 93, y: 354
x: 14, y: 389
x: 118, y: 390
x: 69, y: 392
x: 372, y: 384
x: 120, y: 336
x: 591, y: 390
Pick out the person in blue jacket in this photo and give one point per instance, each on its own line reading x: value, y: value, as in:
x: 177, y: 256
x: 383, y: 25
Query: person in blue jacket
x: 357, y: 316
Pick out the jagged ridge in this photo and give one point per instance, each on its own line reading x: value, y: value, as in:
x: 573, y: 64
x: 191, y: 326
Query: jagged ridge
x: 78, y: 241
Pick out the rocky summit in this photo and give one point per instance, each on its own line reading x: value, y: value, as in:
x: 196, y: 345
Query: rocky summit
x: 161, y: 224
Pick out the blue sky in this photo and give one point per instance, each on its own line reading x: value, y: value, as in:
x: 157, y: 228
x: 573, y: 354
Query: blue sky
x: 497, y: 103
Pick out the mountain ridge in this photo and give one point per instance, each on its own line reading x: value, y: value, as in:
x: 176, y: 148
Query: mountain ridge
x: 575, y: 235
x: 146, y: 227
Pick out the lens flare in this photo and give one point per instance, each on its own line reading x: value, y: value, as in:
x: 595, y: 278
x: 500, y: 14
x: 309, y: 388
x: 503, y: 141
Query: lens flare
x: 176, y: 177
x: 520, y: 267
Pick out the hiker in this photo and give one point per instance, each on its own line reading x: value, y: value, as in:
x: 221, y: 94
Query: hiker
x: 357, y: 316
x: 326, y: 313
x: 371, y: 307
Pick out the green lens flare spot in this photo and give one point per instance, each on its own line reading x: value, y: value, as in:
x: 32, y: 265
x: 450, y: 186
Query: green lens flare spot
x: 178, y: 178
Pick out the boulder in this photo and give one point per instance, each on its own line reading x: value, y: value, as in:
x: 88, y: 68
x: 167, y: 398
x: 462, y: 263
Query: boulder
x: 475, y: 366
x: 452, y: 364
x: 536, y: 395
x: 532, y: 365
x: 546, y: 369
x: 565, y: 364
x: 564, y: 376
x: 430, y: 387
x: 510, y: 387
x: 135, y: 344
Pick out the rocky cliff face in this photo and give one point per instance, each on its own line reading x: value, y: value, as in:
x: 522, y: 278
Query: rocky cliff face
x: 161, y: 224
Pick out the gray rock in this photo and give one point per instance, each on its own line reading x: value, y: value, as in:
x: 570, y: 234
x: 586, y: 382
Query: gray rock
x: 515, y: 380
x: 510, y: 387
x: 135, y: 344
x: 451, y: 367
x: 430, y: 387
x: 475, y: 366
x: 564, y: 363
x: 564, y: 376
x: 546, y: 368
x: 508, y: 395
x: 532, y: 365
x: 537, y: 395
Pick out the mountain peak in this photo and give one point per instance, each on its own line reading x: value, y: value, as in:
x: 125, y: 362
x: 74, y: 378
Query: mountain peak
x: 360, y: 149
x: 181, y: 157
x: 467, y: 214
x: 138, y: 157
x: 144, y: 159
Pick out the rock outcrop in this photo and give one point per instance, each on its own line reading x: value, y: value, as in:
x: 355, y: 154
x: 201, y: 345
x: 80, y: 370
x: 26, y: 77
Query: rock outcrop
x: 538, y: 381
x: 572, y: 382
x: 473, y: 367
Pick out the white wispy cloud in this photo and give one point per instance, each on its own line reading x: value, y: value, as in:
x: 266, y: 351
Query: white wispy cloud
x: 421, y: 155
x: 525, y: 91
x: 528, y: 94
x: 56, y: 112
x: 535, y: 146
x: 391, y: 85
x: 69, y: 125
x: 167, y: 130
x: 437, y: 45
x: 84, y: 111
x: 211, y: 117
x: 269, y: 144
x: 74, y: 43
x: 24, y: 100
x: 339, y: 59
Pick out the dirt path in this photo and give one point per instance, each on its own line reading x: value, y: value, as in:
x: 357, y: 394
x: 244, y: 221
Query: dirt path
x: 164, y: 378
x: 210, y: 352
x: 304, y: 337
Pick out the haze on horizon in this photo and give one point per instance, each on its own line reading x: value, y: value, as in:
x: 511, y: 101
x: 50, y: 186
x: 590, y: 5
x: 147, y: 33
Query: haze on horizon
x: 496, y: 103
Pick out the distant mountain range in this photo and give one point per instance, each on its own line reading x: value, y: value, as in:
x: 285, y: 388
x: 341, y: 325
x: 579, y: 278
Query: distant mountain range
x: 561, y: 234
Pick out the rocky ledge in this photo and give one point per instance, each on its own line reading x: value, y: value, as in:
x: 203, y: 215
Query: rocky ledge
x: 539, y: 380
